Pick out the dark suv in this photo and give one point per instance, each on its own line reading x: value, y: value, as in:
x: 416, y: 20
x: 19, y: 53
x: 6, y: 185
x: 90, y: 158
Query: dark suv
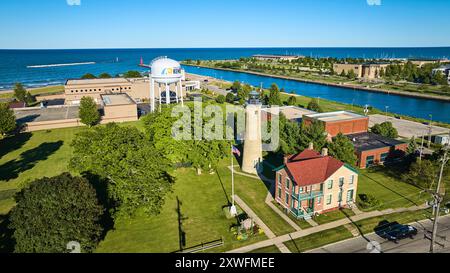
x: 393, y: 231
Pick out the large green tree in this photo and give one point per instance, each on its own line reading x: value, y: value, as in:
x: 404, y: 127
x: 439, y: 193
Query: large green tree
x: 385, y: 129
x: 274, y: 97
x: 88, y: 112
x: 422, y: 173
x: 342, y: 148
x: 51, y: 212
x: 137, y: 174
x: 7, y: 120
x: 290, y: 136
x: 20, y: 93
x: 313, y: 133
x: 314, y: 105
x: 292, y: 101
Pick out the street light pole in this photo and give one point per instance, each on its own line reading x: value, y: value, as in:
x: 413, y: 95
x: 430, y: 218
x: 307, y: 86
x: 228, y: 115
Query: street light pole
x: 438, y: 197
x: 430, y: 131
x: 387, y: 107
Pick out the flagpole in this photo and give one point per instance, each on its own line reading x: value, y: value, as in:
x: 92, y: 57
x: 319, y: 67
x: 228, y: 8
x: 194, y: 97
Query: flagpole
x: 233, y: 210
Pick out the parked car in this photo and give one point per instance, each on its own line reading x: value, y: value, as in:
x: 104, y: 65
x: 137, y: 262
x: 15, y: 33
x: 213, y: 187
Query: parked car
x: 393, y: 231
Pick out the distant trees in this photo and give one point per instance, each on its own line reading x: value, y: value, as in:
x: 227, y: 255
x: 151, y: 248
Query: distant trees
x: 385, y: 129
x: 342, y: 148
x: 313, y: 105
x: 351, y: 75
x: 7, y: 120
x: 412, y: 147
x: 105, y: 76
x: 132, y: 74
x: 51, y: 212
x: 313, y: 133
x: 136, y: 172
x: 88, y: 76
x: 88, y: 112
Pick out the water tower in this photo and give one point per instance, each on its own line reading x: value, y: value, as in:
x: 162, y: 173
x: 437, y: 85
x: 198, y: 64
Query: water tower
x: 164, y: 73
x: 252, y: 158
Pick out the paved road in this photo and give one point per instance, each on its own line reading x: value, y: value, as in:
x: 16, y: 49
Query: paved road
x: 417, y: 245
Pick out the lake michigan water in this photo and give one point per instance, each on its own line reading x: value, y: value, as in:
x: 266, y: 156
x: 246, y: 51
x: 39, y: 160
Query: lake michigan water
x: 29, y: 68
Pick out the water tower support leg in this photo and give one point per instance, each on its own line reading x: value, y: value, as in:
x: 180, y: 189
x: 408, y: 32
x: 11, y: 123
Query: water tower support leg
x: 181, y: 93
x: 152, y: 95
x: 167, y: 94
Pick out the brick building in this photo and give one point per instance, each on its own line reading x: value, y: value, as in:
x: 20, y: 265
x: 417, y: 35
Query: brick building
x: 312, y: 183
x: 340, y: 122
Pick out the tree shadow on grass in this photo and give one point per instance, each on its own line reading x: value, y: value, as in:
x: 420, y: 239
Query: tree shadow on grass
x: 101, y: 187
x: 13, y: 143
x: 28, y: 159
x: 6, y: 235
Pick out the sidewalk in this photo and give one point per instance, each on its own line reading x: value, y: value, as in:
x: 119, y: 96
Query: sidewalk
x: 309, y: 231
x: 260, y: 223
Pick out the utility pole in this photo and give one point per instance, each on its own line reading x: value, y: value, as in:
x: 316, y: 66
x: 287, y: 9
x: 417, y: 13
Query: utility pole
x: 421, y: 147
x: 438, y: 198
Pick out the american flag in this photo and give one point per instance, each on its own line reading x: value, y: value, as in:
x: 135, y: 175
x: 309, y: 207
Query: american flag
x: 235, y: 150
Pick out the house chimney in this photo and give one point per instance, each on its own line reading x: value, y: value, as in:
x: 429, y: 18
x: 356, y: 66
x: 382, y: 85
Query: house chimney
x: 311, y: 146
x: 325, y: 152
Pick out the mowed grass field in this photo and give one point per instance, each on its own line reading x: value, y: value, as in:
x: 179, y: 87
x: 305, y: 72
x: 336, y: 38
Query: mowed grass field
x: 47, y: 153
x: 34, y: 155
x: 36, y: 91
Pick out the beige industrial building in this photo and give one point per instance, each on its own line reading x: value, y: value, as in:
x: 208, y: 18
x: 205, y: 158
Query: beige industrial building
x: 261, y: 57
x: 138, y: 89
x: 118, y: 108
x: 366, y: 71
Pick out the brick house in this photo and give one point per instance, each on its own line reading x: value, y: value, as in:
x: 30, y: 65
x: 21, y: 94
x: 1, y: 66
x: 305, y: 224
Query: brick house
x: 312, y: 183
x: 372, y: 149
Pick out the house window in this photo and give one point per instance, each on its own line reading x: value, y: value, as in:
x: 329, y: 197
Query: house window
x: 321, y: 187
x: 288, y: 182
x: 352, y: 180
x: 330, y: 184
x: 329, y: 199
x: 341, y: 181
x: 319, y: 199
x: 279, y: 193
x: 384, y: 157
x: 280, y: 179
x: 301, y: 190
x: 287, y: 198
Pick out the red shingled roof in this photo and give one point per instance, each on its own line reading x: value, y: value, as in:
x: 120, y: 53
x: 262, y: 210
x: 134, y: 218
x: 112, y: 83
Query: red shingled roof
x: 309, y: 167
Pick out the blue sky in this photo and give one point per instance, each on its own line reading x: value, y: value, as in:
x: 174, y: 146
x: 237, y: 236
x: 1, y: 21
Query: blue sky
x: 223, y: 23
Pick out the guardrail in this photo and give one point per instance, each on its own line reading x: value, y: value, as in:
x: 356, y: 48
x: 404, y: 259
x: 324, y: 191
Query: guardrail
x: 202, y: 247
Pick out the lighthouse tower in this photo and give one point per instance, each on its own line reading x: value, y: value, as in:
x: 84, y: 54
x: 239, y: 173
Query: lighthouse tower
x: 252, y: 158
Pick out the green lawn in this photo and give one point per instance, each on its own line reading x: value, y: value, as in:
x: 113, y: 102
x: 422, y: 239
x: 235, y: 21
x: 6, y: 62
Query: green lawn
x: 333, y: 216
x: 389, y: 191
x: 38, y: 91
x: 254, y: 192
x: 202, y: 198
x: 318, y: 239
